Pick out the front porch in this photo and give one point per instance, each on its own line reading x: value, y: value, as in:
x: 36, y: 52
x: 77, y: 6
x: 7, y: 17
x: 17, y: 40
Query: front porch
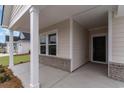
x: 69, y: 41
x: 88, y: 76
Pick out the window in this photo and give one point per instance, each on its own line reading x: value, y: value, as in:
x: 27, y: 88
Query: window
x: 52, y: 44
x: 48, y: 44
x: 43, y: 44
x: 52, y: 38
x: 43, y: 49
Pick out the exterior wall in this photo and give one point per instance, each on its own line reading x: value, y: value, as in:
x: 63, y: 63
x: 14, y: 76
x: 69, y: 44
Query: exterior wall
x: 116, y: 66
x: 63, y: 37
x: 95, y: 31
x: 79, y: 46
x: 118, y: 40
x: 62, y: 60
x: 23, y: 47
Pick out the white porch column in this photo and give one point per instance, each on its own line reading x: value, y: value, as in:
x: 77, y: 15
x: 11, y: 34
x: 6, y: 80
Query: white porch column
x: 109, y: 38
x: 11, y: 62
x: 34, y: 57
x: 110, y: 35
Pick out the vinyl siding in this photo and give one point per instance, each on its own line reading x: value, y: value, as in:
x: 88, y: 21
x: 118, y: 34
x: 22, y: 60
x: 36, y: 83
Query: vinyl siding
x: 63, y: 37
x: 79, y: 46
x: 23, y: 47
x: 118, y: 40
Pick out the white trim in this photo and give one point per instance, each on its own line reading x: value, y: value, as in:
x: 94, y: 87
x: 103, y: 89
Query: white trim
x: 91, y: 53
x: 11, y: 50
x: 15, y: 10
x: 97, y: 28
x: 110, y: 15
x: 110, y: 36
x: 34, y: 45
x: 71, y: 43
x: 47, y: 33
x: 19, y: 14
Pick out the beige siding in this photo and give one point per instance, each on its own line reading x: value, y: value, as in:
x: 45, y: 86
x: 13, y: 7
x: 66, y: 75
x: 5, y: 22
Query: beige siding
x: 79, y: 46
x: 63, y: 37
x: 98, y: 30
x: 118, y: 40
x: 95, y: 31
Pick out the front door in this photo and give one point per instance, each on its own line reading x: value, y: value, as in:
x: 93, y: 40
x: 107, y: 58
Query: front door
x: 99, y: 49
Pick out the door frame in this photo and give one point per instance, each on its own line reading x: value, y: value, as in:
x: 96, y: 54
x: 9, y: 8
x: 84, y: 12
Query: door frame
x: 98, y: 35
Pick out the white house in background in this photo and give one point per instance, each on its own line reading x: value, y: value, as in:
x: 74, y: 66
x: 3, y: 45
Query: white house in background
x: 21, y: 44
x: 70, y: 36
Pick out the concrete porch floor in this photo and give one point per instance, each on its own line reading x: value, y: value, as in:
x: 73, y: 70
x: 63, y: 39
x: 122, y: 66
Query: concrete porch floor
x: 90, y: 75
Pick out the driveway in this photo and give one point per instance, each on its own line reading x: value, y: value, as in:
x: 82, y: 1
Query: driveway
x: 90, y: 75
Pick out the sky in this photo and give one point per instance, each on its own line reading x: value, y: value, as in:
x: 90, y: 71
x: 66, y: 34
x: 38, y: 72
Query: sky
x: 3, y: 31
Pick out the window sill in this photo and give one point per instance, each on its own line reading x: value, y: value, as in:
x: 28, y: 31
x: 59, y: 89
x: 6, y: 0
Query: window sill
x: 54, y: 56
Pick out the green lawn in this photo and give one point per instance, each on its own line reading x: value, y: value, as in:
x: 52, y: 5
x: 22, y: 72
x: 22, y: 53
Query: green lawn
x: 17, y: 59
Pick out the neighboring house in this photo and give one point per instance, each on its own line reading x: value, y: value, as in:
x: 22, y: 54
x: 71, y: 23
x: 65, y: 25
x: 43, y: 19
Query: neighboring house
x: 20, y: 45
x: 70, y: 36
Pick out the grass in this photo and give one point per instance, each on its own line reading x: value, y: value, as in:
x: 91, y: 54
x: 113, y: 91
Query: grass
x: 17, y: 59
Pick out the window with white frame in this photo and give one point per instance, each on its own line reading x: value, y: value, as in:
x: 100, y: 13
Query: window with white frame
x: 52, y: 44
x: 48, y: 44
x: 43, y: 44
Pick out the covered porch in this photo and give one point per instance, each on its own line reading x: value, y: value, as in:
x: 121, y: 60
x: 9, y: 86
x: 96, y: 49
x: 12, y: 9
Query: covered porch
x: 55, y: 78
x: 34, y: 74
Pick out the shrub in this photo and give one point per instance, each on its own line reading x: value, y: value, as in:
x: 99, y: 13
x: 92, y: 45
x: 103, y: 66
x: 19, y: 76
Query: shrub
x: 2, y: 70
x: 4, y: 77
x: 1, y: 77
x: 7, y: 77
x: 1, y: 66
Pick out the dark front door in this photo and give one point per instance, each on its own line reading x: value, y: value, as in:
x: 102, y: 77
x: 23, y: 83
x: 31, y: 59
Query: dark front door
x: 99, y: 49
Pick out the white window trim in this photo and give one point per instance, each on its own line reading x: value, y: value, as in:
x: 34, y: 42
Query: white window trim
x: 47, y: 34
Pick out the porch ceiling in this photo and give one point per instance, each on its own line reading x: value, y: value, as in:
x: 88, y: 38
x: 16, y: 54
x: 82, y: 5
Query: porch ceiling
x: 91, y: 15
x: 51, y: 15
x: 93, y: 18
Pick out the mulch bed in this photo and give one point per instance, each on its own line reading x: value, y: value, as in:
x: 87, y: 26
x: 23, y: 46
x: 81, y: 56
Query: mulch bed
x: 14, y: 82
x: 22, y: 62
x: 22, y: 54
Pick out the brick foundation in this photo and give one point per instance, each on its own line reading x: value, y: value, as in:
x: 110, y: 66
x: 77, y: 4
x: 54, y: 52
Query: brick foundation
x: 116, y: 71
x: 57, y: 62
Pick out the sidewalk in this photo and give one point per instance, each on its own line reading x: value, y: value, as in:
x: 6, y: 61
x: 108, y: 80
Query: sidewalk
x: 2, y: 55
